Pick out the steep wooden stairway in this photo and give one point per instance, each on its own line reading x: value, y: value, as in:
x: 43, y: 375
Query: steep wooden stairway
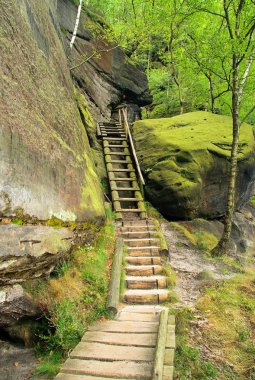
x: 132, y: 345
x: 126, y: 194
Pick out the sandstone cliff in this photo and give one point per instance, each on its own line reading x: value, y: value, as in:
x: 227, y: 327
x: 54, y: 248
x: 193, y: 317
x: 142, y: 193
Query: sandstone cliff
x: 47, y: 166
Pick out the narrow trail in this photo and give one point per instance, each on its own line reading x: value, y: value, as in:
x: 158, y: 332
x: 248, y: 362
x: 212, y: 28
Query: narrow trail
x: 188, y: 264
x: 132, y: 344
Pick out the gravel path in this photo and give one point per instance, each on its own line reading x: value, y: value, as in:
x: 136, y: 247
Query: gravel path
x: 188, y: 263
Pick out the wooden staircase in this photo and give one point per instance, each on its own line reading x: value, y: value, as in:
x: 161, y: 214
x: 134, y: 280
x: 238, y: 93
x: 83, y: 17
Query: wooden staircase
x: 132, y: 345
x: 126, y: 194
x: 145, y: 280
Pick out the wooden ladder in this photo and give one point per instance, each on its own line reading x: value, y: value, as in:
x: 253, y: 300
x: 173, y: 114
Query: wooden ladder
x: 122, y: 172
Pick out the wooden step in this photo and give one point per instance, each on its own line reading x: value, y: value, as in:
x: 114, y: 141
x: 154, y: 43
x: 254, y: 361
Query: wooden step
x: 143, y: 270
x: 146, y: 282
x: 144, y: 260
x: 134, y: 316
x: 118, y: 154
x: 140, y: 242
x: 129, y: 210
x: 104, y: 351
x: 106, y: 138
x: 118, y: 162
x: 138, y: 228
x: 128, y: 199
x: 119, y: 179
x: 154, y: 249
x: 146, y: 296
x: 131, y: 339
x: 138, y: 234
x: 115, y: 369
x: 125, y: 327
x: 124, y: 189
x: 121, y: 170
x: 116, y: 146
x: 138, y: 222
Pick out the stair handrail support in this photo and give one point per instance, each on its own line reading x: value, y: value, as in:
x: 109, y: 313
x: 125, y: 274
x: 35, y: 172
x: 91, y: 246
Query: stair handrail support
x: 128, y: 133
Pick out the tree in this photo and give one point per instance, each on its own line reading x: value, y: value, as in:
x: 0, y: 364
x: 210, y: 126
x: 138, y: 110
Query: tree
x: 76, y: 24
x: 235, y: 49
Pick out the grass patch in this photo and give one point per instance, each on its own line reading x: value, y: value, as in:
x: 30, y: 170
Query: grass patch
x: 188, y: 362
x: 202, y: 240
x: 230, y: 309
x: 252, y: 201
x: 74, y: 297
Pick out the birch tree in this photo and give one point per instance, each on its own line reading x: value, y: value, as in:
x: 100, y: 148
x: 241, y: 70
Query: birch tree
x: 76, y: 24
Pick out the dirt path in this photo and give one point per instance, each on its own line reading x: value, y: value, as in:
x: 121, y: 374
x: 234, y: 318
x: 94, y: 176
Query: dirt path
x: 188, y: 264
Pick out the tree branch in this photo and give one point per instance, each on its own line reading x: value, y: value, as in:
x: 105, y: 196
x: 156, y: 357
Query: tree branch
x: 91, y: 56
x: 247, y: 115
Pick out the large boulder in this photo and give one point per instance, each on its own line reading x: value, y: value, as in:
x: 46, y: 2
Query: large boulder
x: 186, y: 162
x: 45, y: 159
x: 28, y: 252
x: 16, y: 362
x: 15, y: 304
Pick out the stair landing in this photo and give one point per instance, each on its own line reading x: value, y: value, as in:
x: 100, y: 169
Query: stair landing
x: 123, y: 348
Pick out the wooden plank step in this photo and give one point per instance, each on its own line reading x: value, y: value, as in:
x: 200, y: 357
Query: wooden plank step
x: 143, y: 270
x: 119, y: 162
x: 138, y: 234
x: 143, y: 228
x: 124, y: 188
x: 103, y: 351
x: 141, y: 242
x: 118, y: 154
x: 131, y: 339
x: 67, y: 376
x: 129, y: 179
x: 144, y: 253
x: 146, y: 282
x: 137, y: 317
x: 121, y: 170
x: 116, y: 369
x: 136, y: 222
x: 125, y: 327
x: 143, y: 309
x: 143, y: 296
x: 129, y: 210
x: 129, y: 200
x: 114, y: 138
x: 151, y: 248
x: 144, y: 260
x: 116, y: 146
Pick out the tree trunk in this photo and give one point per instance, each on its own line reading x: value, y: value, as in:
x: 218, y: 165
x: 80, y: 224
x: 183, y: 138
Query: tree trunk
x: 76, y: 24
x: 228, y: 220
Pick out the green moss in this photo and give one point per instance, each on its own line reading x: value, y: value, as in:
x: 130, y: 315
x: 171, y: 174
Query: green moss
x: 252, y: 201
x: 202, y: 240
x: 178, y: 153
x: 229, y: 308
x: 74, y: 297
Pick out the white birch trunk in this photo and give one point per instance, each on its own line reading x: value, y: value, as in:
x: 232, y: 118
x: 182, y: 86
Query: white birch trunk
x: 76, y: 24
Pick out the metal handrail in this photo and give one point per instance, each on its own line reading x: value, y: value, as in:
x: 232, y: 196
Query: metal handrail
x: 128, y: 133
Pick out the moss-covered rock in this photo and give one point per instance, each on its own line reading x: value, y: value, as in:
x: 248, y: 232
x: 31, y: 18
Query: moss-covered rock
x: 45, y: 159
x: 186, y: 163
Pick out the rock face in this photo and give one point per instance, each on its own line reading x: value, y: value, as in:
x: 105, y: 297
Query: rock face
x: 186, y: 162
x: 16, y: 362
x: 46, y: 166
x: 107, y: 79
x: 15, y: 304
x: 30, y: 251
x: 46, y: 162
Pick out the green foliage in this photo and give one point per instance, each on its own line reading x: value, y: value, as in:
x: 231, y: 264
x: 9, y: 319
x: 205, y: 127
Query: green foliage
x: 73, y: 298
x: 252, y: 201
x: 17, y: 221
x: 180, y: 44
x: 189, y: 364
x: 229, y: 307
x: 50, y: 366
